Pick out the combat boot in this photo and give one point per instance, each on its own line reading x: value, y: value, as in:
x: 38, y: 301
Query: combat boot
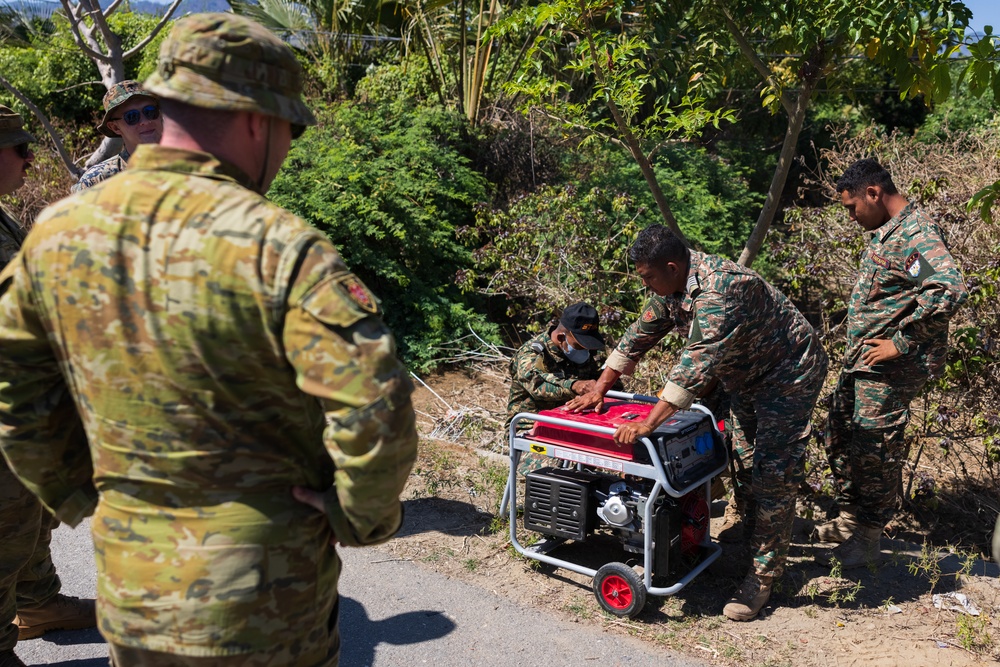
x: 839, y: 529
x: 860, y: 549
x: 63, y: 612
x: 750, y: 598
x: 738, y: 521
x: 9, y: 659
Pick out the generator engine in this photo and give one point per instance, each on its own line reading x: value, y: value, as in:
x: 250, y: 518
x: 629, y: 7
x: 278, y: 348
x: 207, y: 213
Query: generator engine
x: 570, y: 503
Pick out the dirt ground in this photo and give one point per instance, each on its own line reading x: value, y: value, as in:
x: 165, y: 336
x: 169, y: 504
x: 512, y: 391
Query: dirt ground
x: 873, y: 618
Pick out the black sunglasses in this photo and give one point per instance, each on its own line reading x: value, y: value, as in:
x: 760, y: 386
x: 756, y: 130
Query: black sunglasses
x: 131, y: 117
x: 23, y: 150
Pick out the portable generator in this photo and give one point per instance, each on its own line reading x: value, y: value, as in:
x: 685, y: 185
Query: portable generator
x: 653, y: 496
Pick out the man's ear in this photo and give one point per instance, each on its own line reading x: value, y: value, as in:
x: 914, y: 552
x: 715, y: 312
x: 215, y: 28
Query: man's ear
x: 113, y: 126
x: 873, y: 193
x: 256, y: 124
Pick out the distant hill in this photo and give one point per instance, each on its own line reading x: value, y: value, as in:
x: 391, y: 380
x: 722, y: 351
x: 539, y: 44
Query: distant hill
x: 45, y: 8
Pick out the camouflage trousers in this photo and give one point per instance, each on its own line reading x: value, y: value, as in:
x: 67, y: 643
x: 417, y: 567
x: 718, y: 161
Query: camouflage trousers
x: 130, y: 656
x: 777, y: 429
x: 864, y: 440
x: 27, y: 576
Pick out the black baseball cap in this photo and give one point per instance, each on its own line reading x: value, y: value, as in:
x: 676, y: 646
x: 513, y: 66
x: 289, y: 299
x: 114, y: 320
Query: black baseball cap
x: 582, y: 321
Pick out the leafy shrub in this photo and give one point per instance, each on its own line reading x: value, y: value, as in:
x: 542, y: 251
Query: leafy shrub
x: 390, y: 189
x: 565, y: 243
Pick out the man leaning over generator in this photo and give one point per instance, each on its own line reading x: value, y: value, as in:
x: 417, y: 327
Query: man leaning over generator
x: 749, y: 336
x: 897, y: 337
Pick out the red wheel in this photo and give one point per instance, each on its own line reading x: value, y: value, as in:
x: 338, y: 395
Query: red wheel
x: 619, y: 590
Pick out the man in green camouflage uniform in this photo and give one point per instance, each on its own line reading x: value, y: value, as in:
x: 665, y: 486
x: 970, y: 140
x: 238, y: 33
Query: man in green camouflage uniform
x: 554, y: 367
x: 758, y: 345
x: 132, y: 113
x: 241, y: 397
x: 897, y: 337
x: 28, y: 580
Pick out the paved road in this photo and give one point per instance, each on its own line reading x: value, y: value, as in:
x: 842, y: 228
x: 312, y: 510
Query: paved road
x: 393, y: 614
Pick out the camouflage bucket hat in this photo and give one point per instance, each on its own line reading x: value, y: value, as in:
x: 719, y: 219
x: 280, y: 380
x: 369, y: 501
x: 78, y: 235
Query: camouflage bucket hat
x: 117, y: 95
x: 12, y: 132
x: 225, y: 61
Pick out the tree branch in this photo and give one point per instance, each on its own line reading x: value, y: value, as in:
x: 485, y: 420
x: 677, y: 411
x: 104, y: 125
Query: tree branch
x: 154, y: 32
x: 630, y: 139
x: 56, y: 139
x: 758, y: 64
x: 578, y: 126
x: 74, y: 23
x: 794, y: 128
x: 111, y: 10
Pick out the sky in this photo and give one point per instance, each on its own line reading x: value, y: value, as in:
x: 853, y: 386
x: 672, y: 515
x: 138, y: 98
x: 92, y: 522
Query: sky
x: 984, y: 12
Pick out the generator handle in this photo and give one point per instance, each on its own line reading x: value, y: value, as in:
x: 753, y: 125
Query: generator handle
x: 625, y: 396
x: 655, y: 463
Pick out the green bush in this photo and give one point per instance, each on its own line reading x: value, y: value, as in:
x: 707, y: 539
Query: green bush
x: 570, y: 242
x: 390, y: 189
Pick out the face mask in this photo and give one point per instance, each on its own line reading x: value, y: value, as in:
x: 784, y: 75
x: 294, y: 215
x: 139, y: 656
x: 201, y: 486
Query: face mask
x: 575, y: 355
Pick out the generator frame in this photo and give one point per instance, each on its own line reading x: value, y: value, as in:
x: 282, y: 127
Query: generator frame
x: 624, y: 576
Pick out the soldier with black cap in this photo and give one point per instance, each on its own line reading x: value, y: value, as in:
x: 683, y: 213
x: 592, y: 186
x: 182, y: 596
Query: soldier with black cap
x: 239, y: 401
x: 28, y: 581
x: 555, y: 366
x: 132, y: 113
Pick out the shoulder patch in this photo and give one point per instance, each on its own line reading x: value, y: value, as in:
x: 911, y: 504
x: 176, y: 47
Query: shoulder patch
x: 648, y: 315
x: 918, y: 267
x: 358, y: 293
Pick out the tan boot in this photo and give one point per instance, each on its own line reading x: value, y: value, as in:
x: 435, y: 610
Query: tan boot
x: 840, y: 529
x: 733, y: 525
x: 62, y: 612
x: 749, y: 598
x: 10, y: 659
x: 860, y: 549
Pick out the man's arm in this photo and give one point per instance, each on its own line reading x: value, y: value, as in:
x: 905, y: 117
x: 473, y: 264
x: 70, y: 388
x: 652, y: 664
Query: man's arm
x: 940, y: 289
x: 655, y: 322
x: 346, y: 357
x: 41, y: 434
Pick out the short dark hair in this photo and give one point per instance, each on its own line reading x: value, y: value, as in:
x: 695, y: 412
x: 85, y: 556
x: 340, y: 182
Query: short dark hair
x: 656, y: 245
x: 863, y: 174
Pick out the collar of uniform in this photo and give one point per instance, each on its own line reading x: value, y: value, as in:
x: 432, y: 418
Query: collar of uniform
x: 124, y: 155
x: 155, y: 157
x: 693, y: 283
x: 883, y: 232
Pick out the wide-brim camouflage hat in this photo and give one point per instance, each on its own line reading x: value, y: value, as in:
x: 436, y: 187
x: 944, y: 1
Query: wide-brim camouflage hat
x: 226, y: 61
x: 12, y: 132
x: 117, y: 95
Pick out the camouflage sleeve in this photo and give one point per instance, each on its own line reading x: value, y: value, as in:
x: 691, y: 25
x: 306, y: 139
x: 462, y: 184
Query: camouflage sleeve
x: 345, y: 356
x: 530, y: 373
x: 642, y: 335
x: 41, y: 433
x: 712, y: 331
x: 939, y: 284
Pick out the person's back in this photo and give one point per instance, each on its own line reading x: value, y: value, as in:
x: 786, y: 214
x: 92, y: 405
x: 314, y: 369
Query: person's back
x: 763, y: 340
x: 241, y: 398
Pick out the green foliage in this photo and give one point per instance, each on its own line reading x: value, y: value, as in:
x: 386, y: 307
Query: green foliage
x: 51, y: 70
x: 568, y: 243
x: 390, y: 190
x: 710, y: 198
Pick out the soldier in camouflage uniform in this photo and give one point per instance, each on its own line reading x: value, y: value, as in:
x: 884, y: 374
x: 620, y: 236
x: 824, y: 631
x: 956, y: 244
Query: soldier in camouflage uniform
x: 751, y: 338
x: 28, y: 581
x: 897, y: 337
x: 554, y: 367
x: 132, y: 113
x: 242, y: 399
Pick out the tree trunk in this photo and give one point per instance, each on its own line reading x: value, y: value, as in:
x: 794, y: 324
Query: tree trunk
x: 770, y: 208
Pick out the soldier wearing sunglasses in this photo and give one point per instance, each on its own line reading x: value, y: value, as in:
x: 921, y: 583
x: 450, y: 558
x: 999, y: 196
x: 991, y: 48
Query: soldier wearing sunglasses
x: 132, y: 113
x: 30, y: 602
